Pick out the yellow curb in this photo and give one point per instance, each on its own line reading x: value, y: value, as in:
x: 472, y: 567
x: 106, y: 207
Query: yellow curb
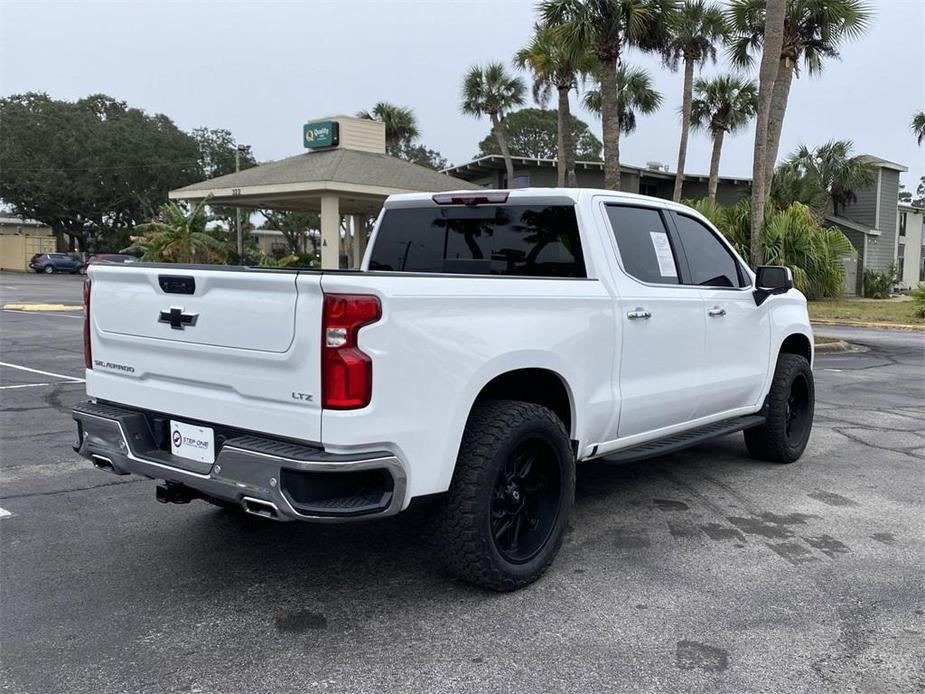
x: 42, y: 307
x: 866, y: 324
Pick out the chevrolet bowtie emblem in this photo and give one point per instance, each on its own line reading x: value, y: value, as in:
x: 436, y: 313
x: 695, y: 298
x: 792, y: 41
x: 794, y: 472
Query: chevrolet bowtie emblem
x: 177, y: 319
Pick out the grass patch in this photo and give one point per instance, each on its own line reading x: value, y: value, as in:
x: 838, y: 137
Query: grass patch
x: 823, y: 340
x: 896, y: 310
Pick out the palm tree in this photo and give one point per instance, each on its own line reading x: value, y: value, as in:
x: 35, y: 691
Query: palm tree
x: 556, y: 68
x: 918, y: 126
x: 696, y: 28
x: 178, y: 236
x: 722, y: 105
x: 603, y: 28
x: 832, y: 171
x: 773, y: 33
x: 634, y: 93
x: 813, y: 31
x: 491, y: 91
x: 401, y: 127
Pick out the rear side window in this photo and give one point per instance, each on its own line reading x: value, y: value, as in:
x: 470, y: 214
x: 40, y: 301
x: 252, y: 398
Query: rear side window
x: 710, y: 262
x: 645, y: 247
x: 518, y: 240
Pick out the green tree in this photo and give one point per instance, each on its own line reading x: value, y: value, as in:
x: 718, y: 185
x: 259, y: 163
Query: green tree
x: 603, y: 29
x: 491, y: 91
x: 533, y: 133
x: 91, y: 167
x: 721, y: 105
x: 814, y: 30
x: 295, y: 227
x: 832, y: 171
x: 179, y: 235
x: 634, y: 94
x: 918, y: 127
x: 555, y: 67
x: 219, y: 156
x: 696, y: 29
x: 424, y: 156
x: 401, y: 127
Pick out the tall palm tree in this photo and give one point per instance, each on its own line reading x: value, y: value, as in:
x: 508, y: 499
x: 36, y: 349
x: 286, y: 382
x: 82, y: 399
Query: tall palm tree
x: 722, y: 105
x: 634, y: 94
x: 767, y: 75
x: 401, y: 127
x: 178, y: 236
x: 813, y: 31
x: 491, y: 91
x: 554, y: 67
x: 833, y: 171
x: 918, y: 126
x: 696, y: 29
x: 604, y: 28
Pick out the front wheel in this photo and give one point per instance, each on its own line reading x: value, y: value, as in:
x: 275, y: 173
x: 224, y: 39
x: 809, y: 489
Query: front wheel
x: 790, y: 407
x: 504, y: 517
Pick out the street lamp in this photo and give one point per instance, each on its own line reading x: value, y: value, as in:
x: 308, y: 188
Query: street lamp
x: 237, y: 210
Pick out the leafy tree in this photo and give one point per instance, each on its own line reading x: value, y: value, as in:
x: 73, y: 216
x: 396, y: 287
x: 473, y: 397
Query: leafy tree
x: 424, y: 156
x: 401, y: 127
x: 218, y: 156
x: 603, y: 29
x: 555, y: 67
x: 813, y: 31
x: 721, y: 105
x: 792, y: 237
x: 696, y: 29
x: 918, y: 127
x: 295, y: 227
x: 833, y: 172
x: 94, y: 167
x: 491, y: 91
x: 179, y: 235
x: 634, y: 94
x: 533, y: 133
x: 907, y: 197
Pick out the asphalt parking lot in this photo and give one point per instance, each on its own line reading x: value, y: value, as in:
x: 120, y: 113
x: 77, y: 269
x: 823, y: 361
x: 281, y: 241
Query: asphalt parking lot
x: 702, y: 571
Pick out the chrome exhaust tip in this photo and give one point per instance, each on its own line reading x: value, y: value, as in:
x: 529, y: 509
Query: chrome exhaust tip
x: 101, y: 462
x: 259, y: 507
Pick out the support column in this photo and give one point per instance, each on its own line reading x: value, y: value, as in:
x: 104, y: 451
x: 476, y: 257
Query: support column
x: 359, y: 231
x: 330, y: 232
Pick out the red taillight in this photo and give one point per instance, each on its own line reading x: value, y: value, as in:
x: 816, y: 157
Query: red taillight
x: 346, y: 372
x: 88, y: 356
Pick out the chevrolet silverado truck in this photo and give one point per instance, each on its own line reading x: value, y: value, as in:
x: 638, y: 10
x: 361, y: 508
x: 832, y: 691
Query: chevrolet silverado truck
x: 490, y: 341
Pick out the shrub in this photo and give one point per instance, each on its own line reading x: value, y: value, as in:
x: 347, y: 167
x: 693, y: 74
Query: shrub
x: 918, y: 300
x: 878, y: 285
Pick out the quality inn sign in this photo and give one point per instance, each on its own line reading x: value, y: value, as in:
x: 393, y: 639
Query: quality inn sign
x: 320, y: 134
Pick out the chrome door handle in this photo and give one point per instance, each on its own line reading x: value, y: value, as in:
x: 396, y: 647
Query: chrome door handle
x: 639, y: 313
x: 716, y: 312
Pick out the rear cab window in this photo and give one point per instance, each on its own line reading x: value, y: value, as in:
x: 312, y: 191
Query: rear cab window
x: 513, y: 240
x: 645, y: 246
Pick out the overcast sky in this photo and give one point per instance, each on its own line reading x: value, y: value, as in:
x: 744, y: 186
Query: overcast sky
x: 261, y: 69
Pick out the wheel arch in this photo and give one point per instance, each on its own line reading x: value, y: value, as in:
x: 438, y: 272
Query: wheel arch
x: 797, y: 343
x: 539, y: 385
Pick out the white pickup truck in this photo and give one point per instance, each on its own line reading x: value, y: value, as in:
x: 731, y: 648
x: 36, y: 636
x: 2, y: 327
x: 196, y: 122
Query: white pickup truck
x: 490, y: 341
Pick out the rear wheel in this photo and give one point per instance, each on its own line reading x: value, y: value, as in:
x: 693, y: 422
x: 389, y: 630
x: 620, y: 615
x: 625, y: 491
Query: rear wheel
x: 504, y: 517
x: 48, y: 269
x: 791, y: 404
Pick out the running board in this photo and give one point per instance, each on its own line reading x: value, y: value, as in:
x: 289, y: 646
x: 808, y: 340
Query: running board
x: 676, y: 442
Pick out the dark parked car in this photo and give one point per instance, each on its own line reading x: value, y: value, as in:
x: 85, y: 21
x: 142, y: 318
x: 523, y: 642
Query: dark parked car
x: 107, y: 258
x: 55, y: 262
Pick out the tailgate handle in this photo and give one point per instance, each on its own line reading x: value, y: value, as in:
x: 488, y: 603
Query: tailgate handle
x: 177, y: 284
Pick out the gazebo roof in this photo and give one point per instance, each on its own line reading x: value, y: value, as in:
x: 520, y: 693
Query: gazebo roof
x: 362, y: 180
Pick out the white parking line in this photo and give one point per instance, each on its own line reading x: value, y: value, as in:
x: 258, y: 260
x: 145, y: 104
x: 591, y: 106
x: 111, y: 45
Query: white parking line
x: 41, y: 313
x: 4, y: 513
x: 43, y: 373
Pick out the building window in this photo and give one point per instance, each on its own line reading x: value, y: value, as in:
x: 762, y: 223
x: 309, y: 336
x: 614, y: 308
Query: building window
x: 902, y: 224
x: 521, y: 182
x: 649, y: 189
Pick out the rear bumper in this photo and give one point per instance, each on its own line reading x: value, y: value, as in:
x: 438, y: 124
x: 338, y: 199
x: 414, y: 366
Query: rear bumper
x: 277, y: 479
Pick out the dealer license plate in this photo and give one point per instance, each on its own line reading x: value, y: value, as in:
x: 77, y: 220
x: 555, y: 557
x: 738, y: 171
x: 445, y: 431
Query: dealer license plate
x: 192, y: 442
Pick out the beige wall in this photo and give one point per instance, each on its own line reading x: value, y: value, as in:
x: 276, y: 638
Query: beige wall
x: 30, y: 229
x: 17, y: 249
x: 911, y: 245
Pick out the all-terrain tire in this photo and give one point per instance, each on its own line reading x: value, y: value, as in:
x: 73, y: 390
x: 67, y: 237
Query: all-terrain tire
x: 790, y: 407
x: 466, y: 523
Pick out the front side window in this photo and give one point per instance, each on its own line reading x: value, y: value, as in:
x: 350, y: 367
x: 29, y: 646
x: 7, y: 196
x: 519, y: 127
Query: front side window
x: 518, y: 240
x: 645, y: 247
x: 710, y: 262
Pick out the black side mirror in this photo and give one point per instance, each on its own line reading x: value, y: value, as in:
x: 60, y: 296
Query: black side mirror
x: 770, y: 280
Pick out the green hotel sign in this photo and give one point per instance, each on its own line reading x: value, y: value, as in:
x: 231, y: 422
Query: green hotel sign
x: 321, y: 134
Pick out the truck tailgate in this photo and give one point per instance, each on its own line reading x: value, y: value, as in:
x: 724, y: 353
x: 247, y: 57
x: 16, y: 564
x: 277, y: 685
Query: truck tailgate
x: 233, y: 347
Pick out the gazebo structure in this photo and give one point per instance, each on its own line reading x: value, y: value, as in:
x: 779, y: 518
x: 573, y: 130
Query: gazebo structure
x: 345, y: 172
